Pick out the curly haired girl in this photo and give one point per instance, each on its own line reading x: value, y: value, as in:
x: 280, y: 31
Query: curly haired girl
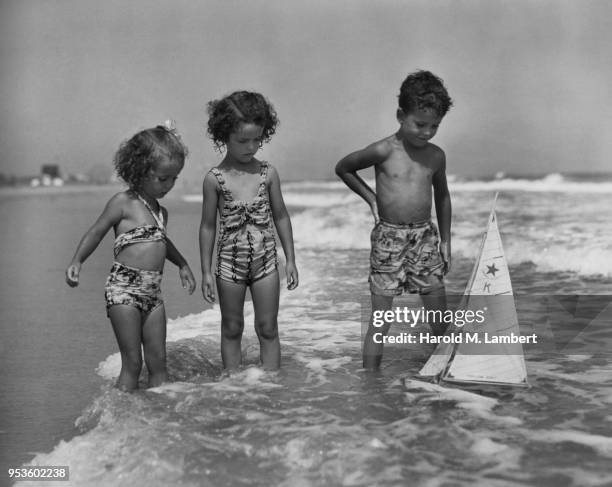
x: 149, y: 163
x: 247, y: 195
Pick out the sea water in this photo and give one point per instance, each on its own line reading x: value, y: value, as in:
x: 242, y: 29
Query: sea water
x: 321, y: 420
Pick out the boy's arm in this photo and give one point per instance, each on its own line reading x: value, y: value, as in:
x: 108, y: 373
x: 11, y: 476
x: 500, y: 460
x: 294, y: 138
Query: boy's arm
x: 443, y: 211
x: 208, y: 229
x: 283, y: 226
x: 347, y: 168
x: 111, y: 215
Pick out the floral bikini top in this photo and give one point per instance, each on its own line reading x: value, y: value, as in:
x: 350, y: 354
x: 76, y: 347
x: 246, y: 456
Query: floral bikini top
x: 236, y: 214
x: 143, y: 233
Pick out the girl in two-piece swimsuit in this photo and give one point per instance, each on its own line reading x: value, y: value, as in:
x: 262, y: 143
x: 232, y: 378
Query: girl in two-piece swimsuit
x: 131, y: 286
x: 246, y: 194
x: 149, y: 163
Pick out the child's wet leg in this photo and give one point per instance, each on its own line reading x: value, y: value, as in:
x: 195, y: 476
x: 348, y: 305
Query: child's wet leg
x: 154, y: 345
x: 436, y: 301
x: 126, y: 321
x: 372, y: 351
x: 265, y: 293
x: 231, y: 302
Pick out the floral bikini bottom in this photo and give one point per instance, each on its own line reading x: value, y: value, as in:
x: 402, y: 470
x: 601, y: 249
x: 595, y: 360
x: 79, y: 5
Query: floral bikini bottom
x: 134, y: 287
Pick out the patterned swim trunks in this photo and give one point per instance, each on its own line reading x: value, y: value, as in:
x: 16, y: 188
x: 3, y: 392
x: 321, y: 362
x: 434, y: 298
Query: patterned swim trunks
x: 135, y: 287
x: 405, y: 258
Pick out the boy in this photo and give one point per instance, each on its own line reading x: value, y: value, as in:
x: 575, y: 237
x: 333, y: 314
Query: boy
x: 405, y: 256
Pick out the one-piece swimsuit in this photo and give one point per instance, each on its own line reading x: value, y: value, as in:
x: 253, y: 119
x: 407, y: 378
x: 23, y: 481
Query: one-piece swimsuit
x: 246, y: 247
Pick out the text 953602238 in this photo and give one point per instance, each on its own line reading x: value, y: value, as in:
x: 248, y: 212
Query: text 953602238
x: 48, y: 472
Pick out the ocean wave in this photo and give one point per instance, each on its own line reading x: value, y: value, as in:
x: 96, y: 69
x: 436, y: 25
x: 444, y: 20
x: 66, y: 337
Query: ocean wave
x: 554, y: 182
x: 582, y: 261
x: 578, y: 251
x: 314, y: 185
x: 192, y: 198
x: 319, y: 200
x: 301, y: 199
x: 555, y: 232
x: 333, y: 193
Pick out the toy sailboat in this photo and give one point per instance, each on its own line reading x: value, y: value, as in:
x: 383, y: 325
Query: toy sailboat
x: 489, y: 288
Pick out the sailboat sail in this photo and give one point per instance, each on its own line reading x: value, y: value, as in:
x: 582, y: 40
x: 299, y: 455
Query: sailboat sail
x: 490, y: 288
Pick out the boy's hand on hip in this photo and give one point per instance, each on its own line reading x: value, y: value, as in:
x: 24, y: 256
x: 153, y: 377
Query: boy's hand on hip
x: 374, y: 210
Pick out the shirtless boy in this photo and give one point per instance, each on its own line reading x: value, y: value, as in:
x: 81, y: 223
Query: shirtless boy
x: 408, y: 254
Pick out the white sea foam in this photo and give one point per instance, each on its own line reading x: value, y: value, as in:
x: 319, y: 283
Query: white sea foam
x: 323, y: 193
x: 584, y: 261
x: 486, y: 446
x: 192, y: 198
x: 538, y: 223
x: 554, y: 182
x: 346, y: 228
x: 314, y: 185
x: 110, y: 367
x: 349, y: 228
x: 320, y: 200
x: 324, y: 199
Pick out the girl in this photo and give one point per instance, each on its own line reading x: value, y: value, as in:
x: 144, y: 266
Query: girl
x: 247, y: 194
x: 149, y: 163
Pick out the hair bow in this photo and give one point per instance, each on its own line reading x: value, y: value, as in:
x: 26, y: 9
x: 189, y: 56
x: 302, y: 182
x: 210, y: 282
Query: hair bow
x: 170, y: 126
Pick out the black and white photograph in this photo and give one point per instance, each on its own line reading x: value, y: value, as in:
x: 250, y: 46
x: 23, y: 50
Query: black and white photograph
x: 306, y: 243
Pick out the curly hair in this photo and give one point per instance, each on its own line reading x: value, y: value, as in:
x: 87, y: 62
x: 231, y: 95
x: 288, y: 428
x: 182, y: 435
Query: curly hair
x: 138, y: 155
x: 226, y: 114
x: 424, y: 90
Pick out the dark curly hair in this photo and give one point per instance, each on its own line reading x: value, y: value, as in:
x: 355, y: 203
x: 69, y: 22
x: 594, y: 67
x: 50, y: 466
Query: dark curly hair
x: 423, y: 90
x: 226, y: 114
x: 136, y: 156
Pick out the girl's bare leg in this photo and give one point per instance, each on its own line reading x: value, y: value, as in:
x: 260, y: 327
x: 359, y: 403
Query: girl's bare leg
x: 126, y: 321
x: 154, y: 345
x: 231, y: 302
x: 265, y: 293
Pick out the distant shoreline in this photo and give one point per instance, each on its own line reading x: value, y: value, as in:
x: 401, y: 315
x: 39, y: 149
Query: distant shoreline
x: 52, y: 190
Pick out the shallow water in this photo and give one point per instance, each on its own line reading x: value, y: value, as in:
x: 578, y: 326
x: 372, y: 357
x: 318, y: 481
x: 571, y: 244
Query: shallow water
x: 321, y: 420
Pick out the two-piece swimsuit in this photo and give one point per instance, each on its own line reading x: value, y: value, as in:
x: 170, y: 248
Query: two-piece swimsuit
x: 246, y: 247
x: 129, y: 285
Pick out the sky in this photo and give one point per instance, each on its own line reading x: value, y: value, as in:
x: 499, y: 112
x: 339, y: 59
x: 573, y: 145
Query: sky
x: 530, y: 80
